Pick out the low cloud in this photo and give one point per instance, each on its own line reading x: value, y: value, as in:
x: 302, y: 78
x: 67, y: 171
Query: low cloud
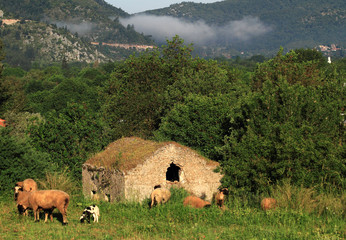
x: 82, y: 28
x: 163, y: 27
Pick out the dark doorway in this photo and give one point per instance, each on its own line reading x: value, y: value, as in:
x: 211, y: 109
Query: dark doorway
x: 172, y: 173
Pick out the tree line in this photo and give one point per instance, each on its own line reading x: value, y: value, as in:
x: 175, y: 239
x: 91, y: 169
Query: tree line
x: 281, y: 119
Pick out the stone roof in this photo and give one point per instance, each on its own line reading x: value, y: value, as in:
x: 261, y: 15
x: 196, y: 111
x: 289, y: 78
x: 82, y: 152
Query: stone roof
x: 126, y: 153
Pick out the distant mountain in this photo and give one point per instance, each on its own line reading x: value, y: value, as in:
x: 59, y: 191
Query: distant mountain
x: 74, y: 30
x: 261, y: 26
x: 38, y: 32
x: 30, y: 42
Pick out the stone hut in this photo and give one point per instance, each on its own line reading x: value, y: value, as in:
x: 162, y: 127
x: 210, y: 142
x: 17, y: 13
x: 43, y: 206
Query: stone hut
x: 129, y: 168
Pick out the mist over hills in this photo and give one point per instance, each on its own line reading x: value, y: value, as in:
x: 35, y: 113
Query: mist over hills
x: 198, y: 32
x: 75, y: 30
x: 249, y: 25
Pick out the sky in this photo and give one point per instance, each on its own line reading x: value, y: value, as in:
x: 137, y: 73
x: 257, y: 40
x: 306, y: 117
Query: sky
x: 136, y: 6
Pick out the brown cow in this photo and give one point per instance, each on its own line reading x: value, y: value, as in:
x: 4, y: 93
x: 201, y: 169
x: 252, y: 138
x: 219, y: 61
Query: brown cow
x: 196, y: 202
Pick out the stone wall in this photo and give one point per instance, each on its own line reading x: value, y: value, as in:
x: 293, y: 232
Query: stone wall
x: 196, y: 175
x: 109, y: 183
x: 190, y: 171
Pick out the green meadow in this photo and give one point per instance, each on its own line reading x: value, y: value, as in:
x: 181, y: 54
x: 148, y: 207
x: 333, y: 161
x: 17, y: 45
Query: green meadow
x: 305, y: 216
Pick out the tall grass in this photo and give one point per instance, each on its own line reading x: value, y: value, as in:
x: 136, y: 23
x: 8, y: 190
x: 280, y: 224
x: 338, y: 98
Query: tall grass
x: 58, y: 180
x: 309, y: 200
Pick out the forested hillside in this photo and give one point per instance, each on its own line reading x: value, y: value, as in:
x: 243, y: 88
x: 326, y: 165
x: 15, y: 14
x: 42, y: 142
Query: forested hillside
x: 51, y: 31
x: 292, y: 24
x: 64, y: 9
x: 83, y: 31
x: 94, y: 19
x: 30, y: 43
x: 265, y: 122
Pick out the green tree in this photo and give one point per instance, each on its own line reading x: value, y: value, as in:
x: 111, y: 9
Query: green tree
x: 134, y: 95
x: 292, y: 66
x: 199, y: 122
x: 146, y: 87
x: 177, y: 55
x: 53, y: 95
x: 20, y: 121
x: 201, y: 77
x: 70, y: 136
x: 16, y: 72
x: 312, y: 55
x: 286, y: 131
x: 19, y: 160
x: 12, y: 95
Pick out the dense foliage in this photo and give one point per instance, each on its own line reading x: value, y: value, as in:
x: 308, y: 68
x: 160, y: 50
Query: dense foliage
x: 286, y: 131
x: 19, y: 160
x: 69, y: 136
x: 200, y: 122
x: 39, y: 9
x: 279, y: 121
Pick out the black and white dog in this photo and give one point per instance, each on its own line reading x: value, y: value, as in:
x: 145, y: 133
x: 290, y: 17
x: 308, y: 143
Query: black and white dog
x: 93, y: 211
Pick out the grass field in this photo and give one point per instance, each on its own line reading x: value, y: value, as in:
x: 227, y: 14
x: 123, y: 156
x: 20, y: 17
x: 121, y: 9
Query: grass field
x: 241, y: 220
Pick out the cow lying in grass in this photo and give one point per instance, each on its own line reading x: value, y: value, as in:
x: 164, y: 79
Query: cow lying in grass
x: 196, y: 202
x: 91, y: 211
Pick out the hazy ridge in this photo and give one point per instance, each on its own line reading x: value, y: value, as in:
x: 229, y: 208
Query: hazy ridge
x: 227, y: 28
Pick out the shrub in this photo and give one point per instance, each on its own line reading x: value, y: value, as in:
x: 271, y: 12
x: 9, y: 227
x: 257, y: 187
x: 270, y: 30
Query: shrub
x: 309, y: 199
x: 19, y: 160
x: 286, y: 131
x: 70, y: 137
x: 60, y: 180
x: 199, y: 123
